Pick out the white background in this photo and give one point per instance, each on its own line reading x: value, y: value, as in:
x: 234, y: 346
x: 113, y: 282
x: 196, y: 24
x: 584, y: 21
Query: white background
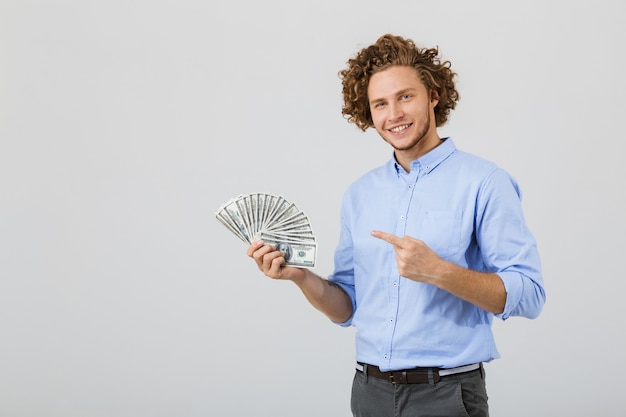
x: 125, y: 124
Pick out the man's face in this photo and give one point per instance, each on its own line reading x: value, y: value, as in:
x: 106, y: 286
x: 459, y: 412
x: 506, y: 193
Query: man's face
x: 403, y: 110
x: 285, y: 249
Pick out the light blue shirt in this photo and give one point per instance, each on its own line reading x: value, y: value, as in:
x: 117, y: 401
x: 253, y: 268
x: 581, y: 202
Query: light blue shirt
x: 465, y: 208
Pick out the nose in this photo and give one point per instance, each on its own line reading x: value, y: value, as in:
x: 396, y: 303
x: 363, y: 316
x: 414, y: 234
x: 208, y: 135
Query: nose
x: 395, y: 112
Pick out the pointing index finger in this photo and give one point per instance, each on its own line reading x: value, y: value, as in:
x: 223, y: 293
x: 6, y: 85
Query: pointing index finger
x: 387, y: 237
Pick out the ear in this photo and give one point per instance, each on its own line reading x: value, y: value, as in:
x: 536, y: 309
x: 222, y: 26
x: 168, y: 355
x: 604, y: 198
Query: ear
x: 434, y: 97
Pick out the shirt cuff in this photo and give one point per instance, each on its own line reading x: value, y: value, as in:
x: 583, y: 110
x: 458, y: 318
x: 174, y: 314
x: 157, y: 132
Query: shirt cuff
x: 514, y: 287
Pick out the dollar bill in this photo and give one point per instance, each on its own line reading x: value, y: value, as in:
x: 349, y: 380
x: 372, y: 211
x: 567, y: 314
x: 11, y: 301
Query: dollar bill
x: 296, y: 254
x: 278, y: 222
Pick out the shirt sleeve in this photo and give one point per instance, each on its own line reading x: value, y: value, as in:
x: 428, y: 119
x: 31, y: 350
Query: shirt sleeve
x: 508, y: 247
x: 343, y: 274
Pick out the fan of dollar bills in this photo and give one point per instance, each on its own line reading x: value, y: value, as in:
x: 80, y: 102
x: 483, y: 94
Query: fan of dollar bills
x: 276, y: 221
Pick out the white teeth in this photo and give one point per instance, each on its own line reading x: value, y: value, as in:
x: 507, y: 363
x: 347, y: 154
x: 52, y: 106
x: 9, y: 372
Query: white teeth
x: 399, y: 128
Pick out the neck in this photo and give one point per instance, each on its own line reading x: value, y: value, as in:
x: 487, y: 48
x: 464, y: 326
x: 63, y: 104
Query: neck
x: 406, y: 156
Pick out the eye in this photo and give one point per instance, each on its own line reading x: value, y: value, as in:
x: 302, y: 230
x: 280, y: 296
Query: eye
x: 405, y: 97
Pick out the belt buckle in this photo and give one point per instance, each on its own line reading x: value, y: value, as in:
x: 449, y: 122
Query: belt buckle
x: 398, y: 377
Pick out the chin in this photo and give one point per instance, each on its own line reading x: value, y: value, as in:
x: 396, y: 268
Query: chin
x: 404, y: 144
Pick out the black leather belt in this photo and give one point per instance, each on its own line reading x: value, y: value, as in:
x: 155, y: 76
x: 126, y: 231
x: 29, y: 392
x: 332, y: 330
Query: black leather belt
x: 415, y: 375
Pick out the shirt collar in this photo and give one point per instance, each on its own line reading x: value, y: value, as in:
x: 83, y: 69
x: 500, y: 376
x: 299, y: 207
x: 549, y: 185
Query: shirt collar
x: 430, y: 160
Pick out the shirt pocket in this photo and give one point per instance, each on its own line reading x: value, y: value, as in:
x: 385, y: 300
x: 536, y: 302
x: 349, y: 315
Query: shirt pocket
x: 441, y: 230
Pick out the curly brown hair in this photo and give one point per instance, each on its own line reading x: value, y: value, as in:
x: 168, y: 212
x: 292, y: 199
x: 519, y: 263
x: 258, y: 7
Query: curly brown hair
x: 388, y: 51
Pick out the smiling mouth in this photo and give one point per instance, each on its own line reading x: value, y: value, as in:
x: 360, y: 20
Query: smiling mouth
x: 399, y: 129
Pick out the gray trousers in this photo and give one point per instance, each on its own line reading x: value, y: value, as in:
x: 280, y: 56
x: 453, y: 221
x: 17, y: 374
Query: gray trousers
x: 459, y: 395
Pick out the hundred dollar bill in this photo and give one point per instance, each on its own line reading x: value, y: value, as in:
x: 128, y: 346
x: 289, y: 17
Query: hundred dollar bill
x: 298, y: 220
x: 286, y: 212
x: 300, y: 255
x: 235, y: 214
x: 230, y: 225
x: 284, y: 236
x: 277, y: 221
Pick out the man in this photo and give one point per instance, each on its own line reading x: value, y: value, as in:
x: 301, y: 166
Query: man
x: 433, y: 245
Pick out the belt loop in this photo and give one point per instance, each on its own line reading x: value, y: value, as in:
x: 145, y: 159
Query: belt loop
x: 482, y: 371
x: 365, y: 372
x: 431, y: 377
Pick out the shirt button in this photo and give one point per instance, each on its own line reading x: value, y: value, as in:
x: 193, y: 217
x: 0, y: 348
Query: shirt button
x: 402, y: 217
x: 386, y: 356
x: 395, y: 284
x: 410, y: 186
x: 390, y: 320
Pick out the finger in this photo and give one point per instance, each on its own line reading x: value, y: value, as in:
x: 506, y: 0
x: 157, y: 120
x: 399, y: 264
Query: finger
x: 387, y: 237
x: 272, y: 262
x: 276, y: 266
x: 254, y: 246
x: 259, y: 254
x: 257, y: 251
